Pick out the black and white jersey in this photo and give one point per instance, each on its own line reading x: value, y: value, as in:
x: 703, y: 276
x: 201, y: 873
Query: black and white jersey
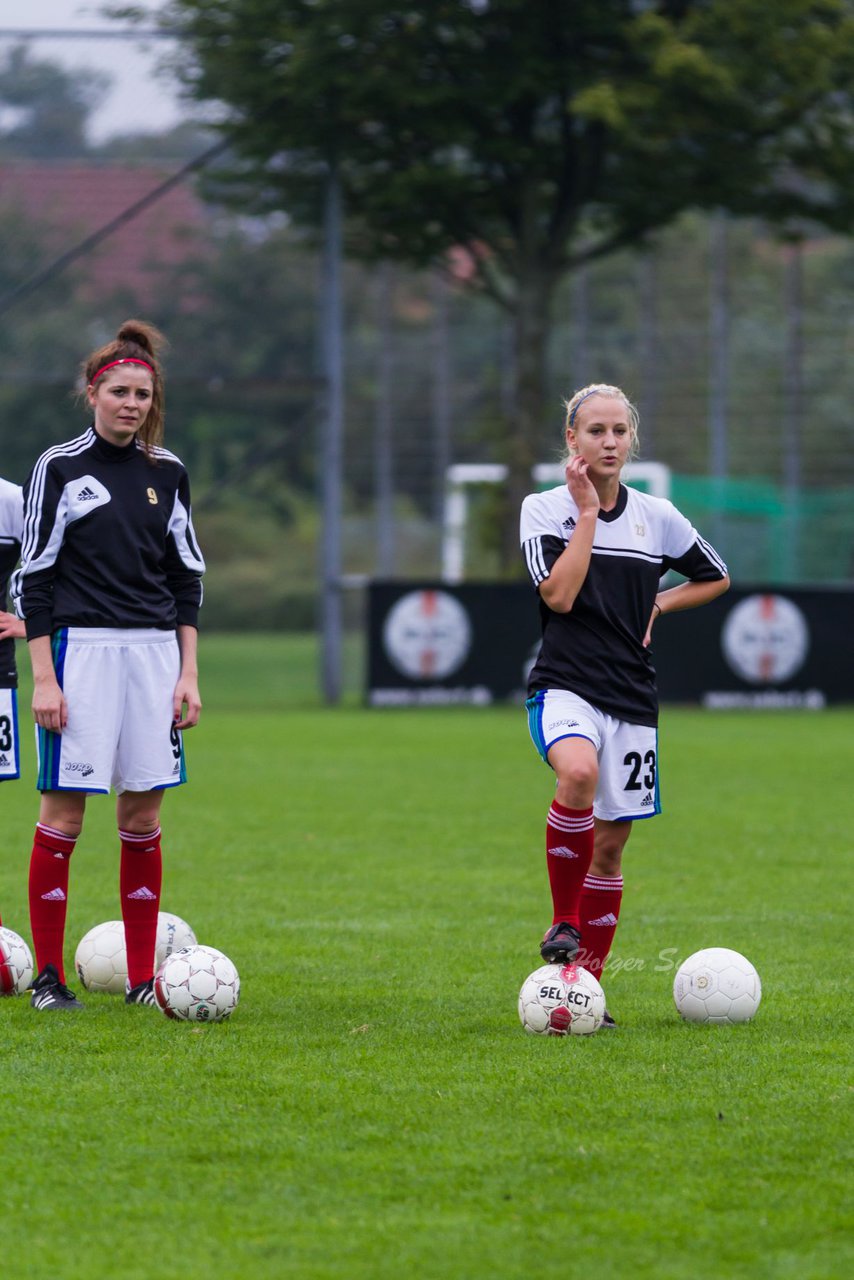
x: 596, y: 650
x: 11, y: 523
x: 108, y: 540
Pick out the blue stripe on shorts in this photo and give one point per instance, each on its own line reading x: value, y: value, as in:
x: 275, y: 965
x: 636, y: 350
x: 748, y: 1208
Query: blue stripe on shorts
x: 534, y: 705
x: 50, y: 743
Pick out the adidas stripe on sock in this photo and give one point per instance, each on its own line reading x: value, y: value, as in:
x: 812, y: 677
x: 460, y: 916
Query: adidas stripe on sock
x: 48, y: 892
x: 569, y: 850
x: 601, y: 898
x: 140, y: 878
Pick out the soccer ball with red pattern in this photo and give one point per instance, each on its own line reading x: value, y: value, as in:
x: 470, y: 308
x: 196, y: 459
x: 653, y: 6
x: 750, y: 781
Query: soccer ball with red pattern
x: 561, y: 1000
x: 197, y: 984
x: 16, y: 963
x: 717, y: 985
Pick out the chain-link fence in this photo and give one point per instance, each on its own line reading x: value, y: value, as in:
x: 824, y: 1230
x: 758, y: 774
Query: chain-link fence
x: 733, y: 344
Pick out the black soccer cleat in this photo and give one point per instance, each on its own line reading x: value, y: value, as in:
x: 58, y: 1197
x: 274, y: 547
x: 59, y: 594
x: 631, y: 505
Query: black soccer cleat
x: 50, y: 994
x: 607, y: 1022
x: 141, y: 994
x: 561, y: 944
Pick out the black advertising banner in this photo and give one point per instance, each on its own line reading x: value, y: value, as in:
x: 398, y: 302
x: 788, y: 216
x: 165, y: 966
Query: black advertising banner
x: 759, y: 647
x: 438, y: 645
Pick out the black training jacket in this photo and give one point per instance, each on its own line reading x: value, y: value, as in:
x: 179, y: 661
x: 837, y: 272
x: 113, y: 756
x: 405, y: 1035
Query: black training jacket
x: 108, y: 540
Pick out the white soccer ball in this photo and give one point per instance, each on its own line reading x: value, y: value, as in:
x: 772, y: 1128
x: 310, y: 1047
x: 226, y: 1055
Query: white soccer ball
x: 16, y: 963
x: 717, y: 985
x: 560, y: 1000
x: 197, y: 984
x: 173, y: 934
x: 101, y: 960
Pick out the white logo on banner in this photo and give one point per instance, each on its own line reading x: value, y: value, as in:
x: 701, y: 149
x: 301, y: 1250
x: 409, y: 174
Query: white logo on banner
x: 427, y: 635
x: 765, y: 639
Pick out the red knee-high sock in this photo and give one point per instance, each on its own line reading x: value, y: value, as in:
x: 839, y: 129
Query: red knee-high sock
x: 140, y: 878
x: 569, y: 850
x: 49, y: 870
x: 600, y: 911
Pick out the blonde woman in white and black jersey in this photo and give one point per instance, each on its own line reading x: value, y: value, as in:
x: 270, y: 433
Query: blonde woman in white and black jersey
x: 596, y: 551
x: 109, y: 589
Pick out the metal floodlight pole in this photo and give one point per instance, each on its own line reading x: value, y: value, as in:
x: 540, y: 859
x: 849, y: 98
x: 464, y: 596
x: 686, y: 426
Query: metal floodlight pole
x: 384, y: 443
x: 719, y: 355
x: 793, y: 404
x: 332, y: 353
x: 793, y: 372
x: 719, y: 373
x: 650, y: 346
x: 441, y: 394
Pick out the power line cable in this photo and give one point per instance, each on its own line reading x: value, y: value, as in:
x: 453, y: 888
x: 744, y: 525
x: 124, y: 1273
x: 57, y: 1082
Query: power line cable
x: 78, y: 33
x: 90, y: 242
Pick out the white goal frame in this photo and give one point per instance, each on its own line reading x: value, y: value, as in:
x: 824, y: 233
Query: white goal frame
x: 655, y: 477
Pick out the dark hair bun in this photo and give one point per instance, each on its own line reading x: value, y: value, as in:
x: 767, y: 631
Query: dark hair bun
x: 142, y: 335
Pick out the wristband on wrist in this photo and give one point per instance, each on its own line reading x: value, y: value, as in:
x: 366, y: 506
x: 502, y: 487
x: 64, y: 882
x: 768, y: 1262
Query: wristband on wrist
x: 656, y: 605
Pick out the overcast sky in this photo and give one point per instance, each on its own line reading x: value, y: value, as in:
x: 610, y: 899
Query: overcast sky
x: 139, y: 100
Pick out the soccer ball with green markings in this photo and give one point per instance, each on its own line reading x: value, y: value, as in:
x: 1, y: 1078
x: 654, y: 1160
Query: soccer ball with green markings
x: 561, y: 1000
x: 197, y: 984
x: 717, y: 985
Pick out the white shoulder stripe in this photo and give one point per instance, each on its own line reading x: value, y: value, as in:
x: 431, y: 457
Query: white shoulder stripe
x: 533, y: 548
x: 158, y: 451
x: 37, y: 486
x: 713, y: 556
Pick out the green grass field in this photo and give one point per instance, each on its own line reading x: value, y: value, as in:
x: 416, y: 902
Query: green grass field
x: 373, y: 1109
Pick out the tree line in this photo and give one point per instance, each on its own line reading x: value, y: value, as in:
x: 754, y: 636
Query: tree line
x: 469, y: 200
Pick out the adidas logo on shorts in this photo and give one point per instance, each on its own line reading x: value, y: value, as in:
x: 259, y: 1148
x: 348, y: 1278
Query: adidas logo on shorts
x: 4, y: 760
x: 647, y: 800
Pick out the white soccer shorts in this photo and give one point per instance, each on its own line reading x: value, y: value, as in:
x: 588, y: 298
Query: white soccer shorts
x: 10, y: 757
x: 119, y: 685
x: 628, y: 753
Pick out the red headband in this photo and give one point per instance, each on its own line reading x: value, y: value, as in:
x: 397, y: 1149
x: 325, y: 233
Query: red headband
x: 126, y: 360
